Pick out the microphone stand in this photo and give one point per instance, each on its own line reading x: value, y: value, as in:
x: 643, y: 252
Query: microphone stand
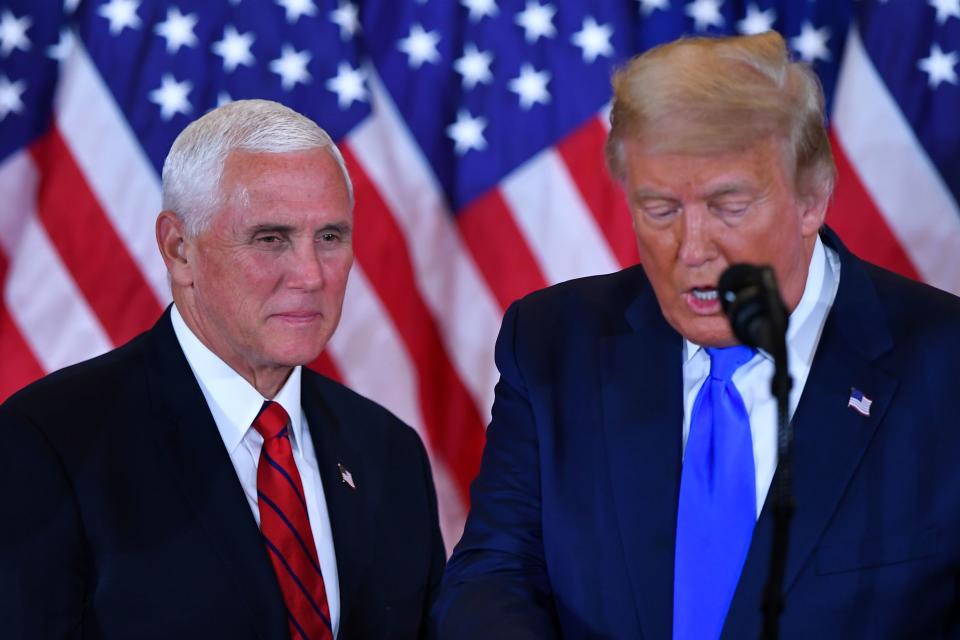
x: 783, y: 506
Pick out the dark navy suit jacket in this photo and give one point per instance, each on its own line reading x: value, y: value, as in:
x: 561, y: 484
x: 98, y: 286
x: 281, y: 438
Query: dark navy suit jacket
x: 573, y: 518
x: 122, y: 515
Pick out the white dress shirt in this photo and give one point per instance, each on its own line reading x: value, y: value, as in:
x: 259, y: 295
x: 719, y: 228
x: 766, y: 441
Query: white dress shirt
x: 235, y: 403
x: 753, y: 378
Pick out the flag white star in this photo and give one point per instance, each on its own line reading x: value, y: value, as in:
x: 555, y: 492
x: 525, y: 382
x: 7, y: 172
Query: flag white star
x: 939, y: 66
x: 10, y: 93
x: 291, y: 66
x: 177, y: 30
x: 757, y: 21
x: 811, y: 44
x: 223, y: 98
x: 13, y: 33
x: 234, y: 48
x: 946, y: 9
x: 171, y: 96
x: 531, y: 86
x: 474, y: 66
x: 537, y: 21
x: 649, y: 6
x: 705, y: 14
x: 297, y: 8
x: 479, y: 9
x: 69, y: 6
x: 121, y: 14
x: 348, y: 84
x: 420, y: 46
x: 61, y: 50
x: 593, y: 39
x: 467, y: 133
x: 347, y: 18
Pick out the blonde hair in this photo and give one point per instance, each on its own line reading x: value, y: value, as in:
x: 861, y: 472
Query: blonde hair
x: 703, y: 95
x: 194, y: 166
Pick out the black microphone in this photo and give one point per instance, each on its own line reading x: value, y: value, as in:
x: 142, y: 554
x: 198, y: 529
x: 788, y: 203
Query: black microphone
x: 751, y: 300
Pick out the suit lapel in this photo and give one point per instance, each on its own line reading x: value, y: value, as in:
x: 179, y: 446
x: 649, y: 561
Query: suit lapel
x: 187, y: 435
x: 345, y: 504
x: 830, y: 437
x: 641, y: 398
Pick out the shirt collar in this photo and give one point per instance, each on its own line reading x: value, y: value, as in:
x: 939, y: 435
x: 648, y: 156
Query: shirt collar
x: 233, y: 401
x: 806, y: 321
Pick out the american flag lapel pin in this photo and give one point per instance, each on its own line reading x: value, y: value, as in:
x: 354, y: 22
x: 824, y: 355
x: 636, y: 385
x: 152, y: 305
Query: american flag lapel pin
x: 859, y: 402
x: 346, y: 476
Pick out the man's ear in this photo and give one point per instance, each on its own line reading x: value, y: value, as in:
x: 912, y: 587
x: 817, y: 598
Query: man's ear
x: 813, y: 213
x: 172, y: 240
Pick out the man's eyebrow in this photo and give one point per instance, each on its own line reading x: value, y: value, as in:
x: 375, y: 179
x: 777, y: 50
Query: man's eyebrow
x: 342, y: 227
x: 272, y: 228
x: 650, y: 194
x: 728, y: 188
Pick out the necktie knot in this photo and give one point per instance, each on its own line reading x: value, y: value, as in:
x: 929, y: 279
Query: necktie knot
x: 272, y: 420
x: 724, y: 362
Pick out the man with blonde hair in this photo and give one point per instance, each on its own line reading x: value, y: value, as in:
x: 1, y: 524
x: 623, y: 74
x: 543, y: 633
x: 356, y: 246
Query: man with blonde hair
x: 199, y: 481
x: 623, y: 491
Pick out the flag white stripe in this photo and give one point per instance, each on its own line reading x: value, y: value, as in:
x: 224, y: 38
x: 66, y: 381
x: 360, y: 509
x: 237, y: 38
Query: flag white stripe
x: 873, y: 132
x: 39, y: 293
x: 116, y: 168
x: 371, y: 357
x: 466, y: 312
x: 555, y: 221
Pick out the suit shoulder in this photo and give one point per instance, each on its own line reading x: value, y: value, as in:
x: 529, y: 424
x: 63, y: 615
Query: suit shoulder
x: 593, y: 301
x: 86, y: 383
x: 915, y: 307
x: 360, y: 411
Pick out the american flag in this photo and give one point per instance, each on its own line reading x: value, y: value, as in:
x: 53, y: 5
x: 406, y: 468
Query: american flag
x: 473, y: 130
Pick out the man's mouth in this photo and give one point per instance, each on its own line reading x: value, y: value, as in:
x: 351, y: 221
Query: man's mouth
x: 704, y: 294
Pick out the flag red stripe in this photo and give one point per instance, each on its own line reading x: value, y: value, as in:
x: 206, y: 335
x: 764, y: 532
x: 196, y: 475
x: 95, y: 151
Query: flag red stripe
x: 453, y: 423
x: 582, y: 153
x: 855, y: 217
x: 20, y: 367
x: 324, y: 365
x: 112, y: 283
x: 499, y: 249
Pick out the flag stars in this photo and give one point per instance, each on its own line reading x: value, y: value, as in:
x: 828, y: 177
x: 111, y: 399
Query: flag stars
x: 939, y: 66
x: 531, y: 86
x: 348, y: 84
x: 13, y: 33
x: 122, y: 14
x: 480, y: 9
x: 297, y: 8
x: 537, y: 21
x: 811, y: 44
x: 171, y: 96
x: 946, y: 9
x: 291, y: 66
x: 234, y: 48
x: 10, y: 93
x: 705, y: 14
x: 347, y: 18
x: 420, y: 46
x: 177, y: 30
x: 593, y: 39
x: 649, y: 6
x: 474, y: 66
x: 61, y: 50
x: 467, y: 133
x: 757, y: 21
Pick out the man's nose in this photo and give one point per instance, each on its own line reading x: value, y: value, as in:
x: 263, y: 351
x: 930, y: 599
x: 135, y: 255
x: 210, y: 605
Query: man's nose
x: 696, y: 246
x: 307, y: 269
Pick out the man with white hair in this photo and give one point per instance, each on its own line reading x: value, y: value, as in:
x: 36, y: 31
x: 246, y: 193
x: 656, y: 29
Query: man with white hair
x: 199, y: 481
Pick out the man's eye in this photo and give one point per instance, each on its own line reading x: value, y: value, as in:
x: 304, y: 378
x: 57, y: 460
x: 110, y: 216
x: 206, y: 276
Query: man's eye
x: 660, y: 211
x: 329, y: 236
x: 269, y: 239
x: 731, y: 209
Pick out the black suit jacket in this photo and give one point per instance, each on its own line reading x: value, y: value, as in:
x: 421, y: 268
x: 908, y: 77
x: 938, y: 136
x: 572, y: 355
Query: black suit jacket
x: 123, y: 516
x: 573, y: 516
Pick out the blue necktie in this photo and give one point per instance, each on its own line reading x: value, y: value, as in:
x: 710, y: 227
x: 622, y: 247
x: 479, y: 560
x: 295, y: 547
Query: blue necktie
x: 717, y: 507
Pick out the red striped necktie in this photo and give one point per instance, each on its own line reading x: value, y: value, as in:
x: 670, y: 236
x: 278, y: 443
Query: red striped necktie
x: 285, y: 527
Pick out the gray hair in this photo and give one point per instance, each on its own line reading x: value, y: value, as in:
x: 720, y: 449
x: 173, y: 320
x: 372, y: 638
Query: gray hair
x: 194, y: 167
